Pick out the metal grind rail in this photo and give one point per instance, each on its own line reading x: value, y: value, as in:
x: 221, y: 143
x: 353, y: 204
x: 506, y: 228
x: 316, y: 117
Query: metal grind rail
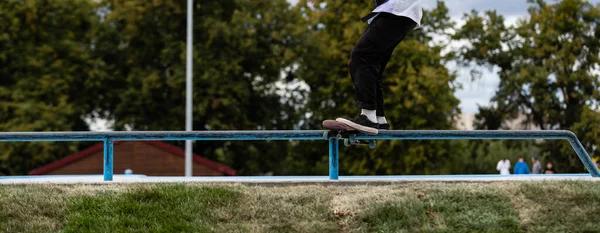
x: 266, y: 135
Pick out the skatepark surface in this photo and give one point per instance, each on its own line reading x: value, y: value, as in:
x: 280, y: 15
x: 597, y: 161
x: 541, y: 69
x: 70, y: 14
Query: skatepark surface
x: 289, y: 180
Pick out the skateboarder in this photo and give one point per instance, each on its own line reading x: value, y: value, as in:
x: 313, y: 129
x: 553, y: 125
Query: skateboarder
x: 387, y: 25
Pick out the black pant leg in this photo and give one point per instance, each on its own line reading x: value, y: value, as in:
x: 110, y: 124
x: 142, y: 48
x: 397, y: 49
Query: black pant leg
x: 371, y: 54
x: 380, y: 109
x: 364, y: 70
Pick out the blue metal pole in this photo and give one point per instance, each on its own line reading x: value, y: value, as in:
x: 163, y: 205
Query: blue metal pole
x: 283, y: 135
x: 165, y: 135
x: 465, y: 134
x: 109, y: 137
x: 584, y: 156
x: 334, y: 150
x: 108, y: 159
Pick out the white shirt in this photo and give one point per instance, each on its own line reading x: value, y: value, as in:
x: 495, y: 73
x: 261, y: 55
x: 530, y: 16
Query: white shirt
x: 503, y: 167
x: 408, y: 8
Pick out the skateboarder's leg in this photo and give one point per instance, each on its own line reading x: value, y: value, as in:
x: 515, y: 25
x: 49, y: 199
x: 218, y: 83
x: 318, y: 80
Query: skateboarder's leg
x: 367, y: 62
x: 383, y: 124
x: 364, y: 69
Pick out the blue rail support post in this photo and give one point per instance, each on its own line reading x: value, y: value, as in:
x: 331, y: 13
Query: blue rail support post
x: 583, y: 156
x: 108, y: 159
x: 489, y: 134
x: 333, y: 158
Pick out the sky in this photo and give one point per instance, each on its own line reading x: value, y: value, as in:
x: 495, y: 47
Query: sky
x: 480, y: 91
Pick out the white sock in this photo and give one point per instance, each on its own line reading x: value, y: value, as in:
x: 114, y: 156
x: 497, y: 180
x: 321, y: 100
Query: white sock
x: 381, y: 120
x: 370, y: 114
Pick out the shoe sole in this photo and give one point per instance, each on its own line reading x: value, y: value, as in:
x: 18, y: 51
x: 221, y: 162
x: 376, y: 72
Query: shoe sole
x: 362, y: 128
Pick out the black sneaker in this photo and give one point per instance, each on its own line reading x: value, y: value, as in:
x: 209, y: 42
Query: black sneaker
x: 361, y: 123
x: 384, y: 126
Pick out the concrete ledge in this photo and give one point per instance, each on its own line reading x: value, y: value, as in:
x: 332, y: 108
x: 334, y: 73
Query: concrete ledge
x: 290, y: 180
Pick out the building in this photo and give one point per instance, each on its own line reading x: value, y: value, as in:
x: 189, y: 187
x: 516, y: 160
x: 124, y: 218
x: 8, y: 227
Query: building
x: 465, y: 121
x: 152, y: 158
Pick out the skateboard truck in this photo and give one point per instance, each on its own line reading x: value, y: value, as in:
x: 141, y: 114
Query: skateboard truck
x: 349, y: 138
x: 334, y: 134
x: 342, y: 131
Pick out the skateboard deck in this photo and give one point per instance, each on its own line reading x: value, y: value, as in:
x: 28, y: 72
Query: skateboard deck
x: 334, y: 125
x: 341, y: 130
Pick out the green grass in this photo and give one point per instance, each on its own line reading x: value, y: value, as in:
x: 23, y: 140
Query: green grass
x: 173, y: 208
x: 413, y: 207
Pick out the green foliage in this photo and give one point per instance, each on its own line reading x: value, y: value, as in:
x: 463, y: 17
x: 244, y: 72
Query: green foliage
x: 125, y: 61
x: 240, y: 50
x: 45, y: 68
x: 170, y: 208
x: 548, y: 66
x: 489, y: 118
x: 589, y: 129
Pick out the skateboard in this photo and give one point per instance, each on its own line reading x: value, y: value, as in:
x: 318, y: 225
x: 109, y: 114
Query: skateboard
x: 343, y: 131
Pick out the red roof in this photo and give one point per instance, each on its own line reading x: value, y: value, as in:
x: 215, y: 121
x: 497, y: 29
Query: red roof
x: 162, y: 145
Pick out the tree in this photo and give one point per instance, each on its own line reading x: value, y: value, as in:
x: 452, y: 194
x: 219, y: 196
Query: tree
x: 45, y: 69
x: 589, y: 129
x: 547, y: 65
x: 241, y: 48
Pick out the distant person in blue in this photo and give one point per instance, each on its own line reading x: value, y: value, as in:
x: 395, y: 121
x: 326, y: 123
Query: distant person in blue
x: 521, y: 167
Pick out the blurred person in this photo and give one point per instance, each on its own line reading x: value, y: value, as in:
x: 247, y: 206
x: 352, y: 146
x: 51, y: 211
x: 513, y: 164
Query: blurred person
x: 549, y: 169
x: 387, y: 25
x: 521, y: 167
x: 537, y: 166
x: 503, y: 167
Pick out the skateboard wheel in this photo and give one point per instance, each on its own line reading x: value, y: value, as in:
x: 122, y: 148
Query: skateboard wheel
x: 352, y: 138
x: 347, y: 142
x: 372, y: 144
x: 326, y: 135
